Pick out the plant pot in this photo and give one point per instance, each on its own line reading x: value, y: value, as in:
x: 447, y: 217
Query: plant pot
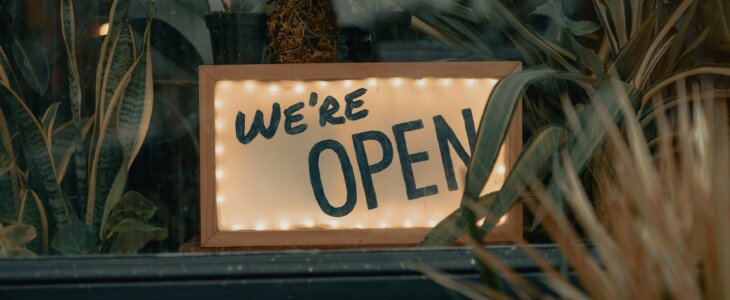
x: 237, y: 38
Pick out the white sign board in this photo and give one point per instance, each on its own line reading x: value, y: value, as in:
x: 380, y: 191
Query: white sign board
x: 339, y: 154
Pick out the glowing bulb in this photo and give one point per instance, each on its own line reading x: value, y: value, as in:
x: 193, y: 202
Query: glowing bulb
x: 221, y: 200
x: 299, y: 88
x: 248, y: 86
x: 225, y: 84
x: 432, y: 223
x: 273, y: 88
x: 284, y: 225
x: 446, y: 82
x: 103, y: 29
x: 421, y: 82
x: 359, y: 226
x: 218, y: 174
x: 397, y: 82
x: 218, y: 125
x: 260, y: 226
x: 408, y: 224
x: 237, y: 226
x: 218, y: 149
x: 471, y: 82
x: 218, y: 104
x: 501, y: 170
x: 372, y: 82
x: 334, y: 224
x: 323, y: 84
x: 309, y: 223
x: 383, y: 225
x: 347, y: 83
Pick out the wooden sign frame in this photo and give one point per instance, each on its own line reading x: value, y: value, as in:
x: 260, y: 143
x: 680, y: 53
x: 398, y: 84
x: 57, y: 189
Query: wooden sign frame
x: 213, y: 236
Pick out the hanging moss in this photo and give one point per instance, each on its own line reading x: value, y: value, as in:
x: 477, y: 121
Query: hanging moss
x: 302, y: 31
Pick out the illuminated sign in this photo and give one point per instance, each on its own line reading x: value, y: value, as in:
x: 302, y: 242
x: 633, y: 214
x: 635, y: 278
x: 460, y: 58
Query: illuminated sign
x: 341, y: 154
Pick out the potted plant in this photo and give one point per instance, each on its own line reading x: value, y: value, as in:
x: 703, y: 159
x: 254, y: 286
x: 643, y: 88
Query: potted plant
x: 237, y: 34
x: 303, y: 31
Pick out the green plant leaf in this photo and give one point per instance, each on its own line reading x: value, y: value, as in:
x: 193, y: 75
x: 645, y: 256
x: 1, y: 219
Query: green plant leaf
x: 446, y: 232
x: 133, y: 234
x: 9, y: 190
x: 38, y: 156
x: 170, y: 43
x: 48, y: 119
x: 32, y: 212
x: 63, y: 145
x: 532, y: 164
x: 68, y: 29
x: 135, y: 111
x: 13, y: 239
x: 112, y: 198
x: 134, y: 204
x: 497, y: 117
x: 33, y: 64
x: 75, y: 239
x: 553, y: 9
x: 7, y: 76
x: 717, y: 15
x: 200, y: 8
x: 120, y: 61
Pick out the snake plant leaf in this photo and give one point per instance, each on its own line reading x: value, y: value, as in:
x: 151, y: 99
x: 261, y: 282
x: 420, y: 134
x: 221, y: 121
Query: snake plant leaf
x: 9, y: 189
x: 170, y: 43
x: 68, y: 29
x: 7, y: 76
x: 13, y: 240
x: 113, y: 197
x: 49, y: 117
x: 135, y: 110
x: 446, y: 232
x: 38, y: 156
x: 63, y: 145
x: 200, y: 8
x: 75, y: 239
x: 32, y: 212
x: 117, y: 15
x: 121, y: 58
x: 33, y: 64
x: 533, y: 163
x: 677, y: 46
x: 133, y: 235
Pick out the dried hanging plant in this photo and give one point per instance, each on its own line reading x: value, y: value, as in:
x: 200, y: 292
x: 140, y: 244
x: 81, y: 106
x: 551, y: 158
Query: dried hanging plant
x: 302, y: 31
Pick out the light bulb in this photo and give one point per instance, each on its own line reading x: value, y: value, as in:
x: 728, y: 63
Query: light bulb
x: 347, y: 83
x: 372, y: 82
x: 470, y: 82
x: 299, y: 88
x: 219, y: 149
x: 309, y: 223
x: 323, y: 84
x: 221, y: 200
x: 260, y: 226
x: 237, y: 226
x: 383, y: 225
x: 408, y: 224
x: 248, y: 86
x: 421, y: 82
x: 501, y: 170
x: 273, y: 88
x: 397, y: 82
x: 284, y: 225
x: 359, y: 226
x: 218, y: 174
x: 334, y: 224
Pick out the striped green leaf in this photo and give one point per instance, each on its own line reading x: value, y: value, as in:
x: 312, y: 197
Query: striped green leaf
x: 446, y: 232
x: 121, y: 58
x: 135, y: 111
x: 48, y: 120
x: 63, y: 145
x: 32, y: 212
x: 38, y: 156
x: 9, y: 190
x: 33, y: 64
x: 68, y: 29
x: 7, y: 76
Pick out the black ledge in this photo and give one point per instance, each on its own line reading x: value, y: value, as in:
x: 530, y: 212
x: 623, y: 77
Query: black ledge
x: 310, y: 274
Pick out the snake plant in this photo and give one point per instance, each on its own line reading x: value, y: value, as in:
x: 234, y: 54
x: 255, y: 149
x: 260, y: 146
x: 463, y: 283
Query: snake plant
x: 94, y: 213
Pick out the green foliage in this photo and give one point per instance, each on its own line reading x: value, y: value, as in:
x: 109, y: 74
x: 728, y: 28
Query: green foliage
x: 13, y: 239
x: 33, y: 64
x: 647, y: 46
x: 256, y: 6
x: 103, y: 145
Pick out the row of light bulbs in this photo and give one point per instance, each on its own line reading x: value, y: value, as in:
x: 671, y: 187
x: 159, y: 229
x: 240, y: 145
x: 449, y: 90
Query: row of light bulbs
x: 285, y: 225
x: 249, y: 85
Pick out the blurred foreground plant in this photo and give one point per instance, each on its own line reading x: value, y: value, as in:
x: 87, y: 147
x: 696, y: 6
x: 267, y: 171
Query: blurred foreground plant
x: 103, y: 146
